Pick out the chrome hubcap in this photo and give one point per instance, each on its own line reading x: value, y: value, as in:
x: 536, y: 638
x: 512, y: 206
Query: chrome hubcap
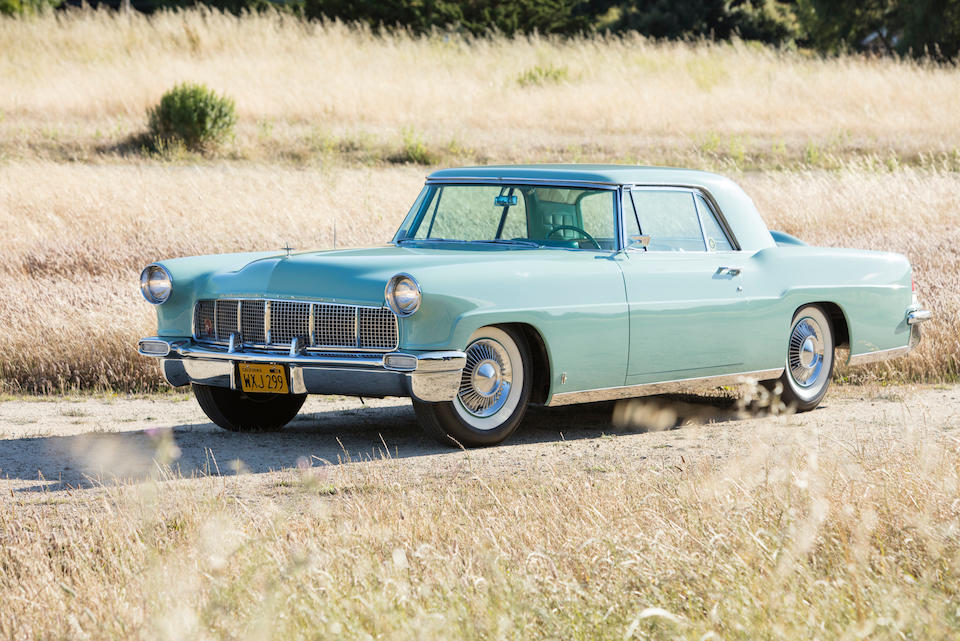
x: 485, y: 383
x: 486, y: 378
x: 805, y: 353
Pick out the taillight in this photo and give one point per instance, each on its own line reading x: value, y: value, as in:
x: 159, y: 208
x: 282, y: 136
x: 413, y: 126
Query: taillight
x: 913, y: 285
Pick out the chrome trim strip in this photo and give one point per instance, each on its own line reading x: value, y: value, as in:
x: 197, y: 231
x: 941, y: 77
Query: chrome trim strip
x: 507, y: 180
x: 356, y: 328
x: 919, y: 316
x: 879, y: 355
x: 443, y: 361
x: 667, y: 387
x: 266, y: 321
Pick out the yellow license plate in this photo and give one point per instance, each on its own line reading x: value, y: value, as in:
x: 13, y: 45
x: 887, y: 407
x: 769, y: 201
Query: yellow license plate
x: 255, y: 377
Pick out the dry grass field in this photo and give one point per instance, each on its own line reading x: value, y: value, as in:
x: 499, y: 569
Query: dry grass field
x: 76, y: 237
x: 837, y: 524
x: 76, y: 87
x: 854, y: 152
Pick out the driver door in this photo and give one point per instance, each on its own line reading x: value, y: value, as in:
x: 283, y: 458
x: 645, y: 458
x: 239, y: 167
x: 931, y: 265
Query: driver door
x: 683, y: 283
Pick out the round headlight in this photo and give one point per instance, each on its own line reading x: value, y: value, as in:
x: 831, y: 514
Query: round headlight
x: 403, y: 295
x: 155, y: 284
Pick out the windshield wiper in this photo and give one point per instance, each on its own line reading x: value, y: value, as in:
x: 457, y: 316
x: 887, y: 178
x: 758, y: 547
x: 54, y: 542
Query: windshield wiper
x: 508, y: 241
x: 430, y: 240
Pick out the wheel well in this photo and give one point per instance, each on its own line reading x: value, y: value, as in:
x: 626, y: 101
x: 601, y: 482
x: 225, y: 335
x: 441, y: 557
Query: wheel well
x: 541, y: 361
x: 838, y: 319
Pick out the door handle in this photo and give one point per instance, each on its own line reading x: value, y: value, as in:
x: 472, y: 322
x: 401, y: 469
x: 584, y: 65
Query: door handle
x: 729, y: 271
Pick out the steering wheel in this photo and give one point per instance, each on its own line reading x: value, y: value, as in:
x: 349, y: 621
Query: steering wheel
x: 580, y: 231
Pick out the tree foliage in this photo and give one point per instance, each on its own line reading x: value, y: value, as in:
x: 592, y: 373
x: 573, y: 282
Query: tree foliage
x: 909, y: 27
x: 473, y: 16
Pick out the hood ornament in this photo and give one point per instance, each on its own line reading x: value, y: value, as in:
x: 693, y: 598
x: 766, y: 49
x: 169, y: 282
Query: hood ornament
x: 287, y: 248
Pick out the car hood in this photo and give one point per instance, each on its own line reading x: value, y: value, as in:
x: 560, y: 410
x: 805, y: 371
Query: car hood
x: 358, y: 276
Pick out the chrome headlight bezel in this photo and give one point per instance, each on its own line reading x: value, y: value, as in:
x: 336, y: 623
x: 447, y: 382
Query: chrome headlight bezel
x: 152, y: 277
x: 403, y: 286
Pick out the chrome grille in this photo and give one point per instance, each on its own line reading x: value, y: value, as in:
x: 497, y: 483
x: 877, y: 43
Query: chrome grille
x: 336, y: 325
x: 204, y: 327
x: 251, y: 324
x: 289, y: 320
x: 378, y: 328
x: 276, y: 323
x: 226, y: 319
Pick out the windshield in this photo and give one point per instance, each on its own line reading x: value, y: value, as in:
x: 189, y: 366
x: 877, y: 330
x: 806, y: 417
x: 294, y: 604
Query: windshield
x: 525, y: 215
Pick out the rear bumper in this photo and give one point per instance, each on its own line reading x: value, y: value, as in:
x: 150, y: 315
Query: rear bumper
x: 913, y: 319
x: 426, y: 376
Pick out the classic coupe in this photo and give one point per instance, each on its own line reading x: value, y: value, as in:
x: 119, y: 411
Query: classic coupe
x: 507, y: 286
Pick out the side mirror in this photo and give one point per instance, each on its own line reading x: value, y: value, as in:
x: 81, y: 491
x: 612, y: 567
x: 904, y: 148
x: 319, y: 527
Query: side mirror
x: 636, y: 242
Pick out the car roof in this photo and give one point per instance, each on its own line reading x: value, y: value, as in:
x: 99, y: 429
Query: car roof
x: 604, y: 174
x: 735, y: 205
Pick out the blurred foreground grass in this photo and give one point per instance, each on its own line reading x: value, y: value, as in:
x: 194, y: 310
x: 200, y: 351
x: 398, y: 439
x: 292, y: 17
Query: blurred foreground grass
x: 807, y: 531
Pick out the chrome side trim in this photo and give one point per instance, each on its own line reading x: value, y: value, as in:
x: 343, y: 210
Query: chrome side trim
x: 507, y: 180
x: 667, y: 387
x: 919, y: 316
x: 879, y: 355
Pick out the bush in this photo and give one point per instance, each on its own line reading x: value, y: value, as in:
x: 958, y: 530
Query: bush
x: 26, y: 7
x: 192, y: 115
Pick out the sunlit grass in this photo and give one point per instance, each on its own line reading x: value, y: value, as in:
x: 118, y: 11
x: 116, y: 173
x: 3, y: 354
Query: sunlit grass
x: 77, y: 86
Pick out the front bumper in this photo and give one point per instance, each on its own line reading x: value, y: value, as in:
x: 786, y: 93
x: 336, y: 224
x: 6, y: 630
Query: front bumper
x: 426, y: 376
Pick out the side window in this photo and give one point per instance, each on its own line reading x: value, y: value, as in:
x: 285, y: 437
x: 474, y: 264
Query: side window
x: 596, y: 212
x: 670, y: 219
x: 712, y: 231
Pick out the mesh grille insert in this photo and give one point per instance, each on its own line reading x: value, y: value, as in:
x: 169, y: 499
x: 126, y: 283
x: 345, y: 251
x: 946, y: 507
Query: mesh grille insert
x: 336, y: 325
x: 226, y: 319
x: 378, y: 328
x: 289, y: 320
x: 251, y: 320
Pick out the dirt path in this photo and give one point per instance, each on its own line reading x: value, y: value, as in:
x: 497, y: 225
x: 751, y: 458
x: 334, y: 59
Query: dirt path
x: 50, y: 444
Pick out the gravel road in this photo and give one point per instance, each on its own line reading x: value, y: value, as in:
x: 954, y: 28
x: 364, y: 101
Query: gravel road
x: 49, y: 444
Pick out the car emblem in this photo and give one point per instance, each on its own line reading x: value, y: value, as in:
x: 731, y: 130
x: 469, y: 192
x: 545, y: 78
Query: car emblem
x: 207, y: 326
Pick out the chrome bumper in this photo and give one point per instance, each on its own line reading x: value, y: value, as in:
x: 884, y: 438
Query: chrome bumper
x: 914, y: 318
x: 427, y: 376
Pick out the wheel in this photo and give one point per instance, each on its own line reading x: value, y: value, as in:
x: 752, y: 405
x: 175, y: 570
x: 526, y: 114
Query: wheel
x: 240, y: 412
x: 494, y: 390
x: 809, y: 364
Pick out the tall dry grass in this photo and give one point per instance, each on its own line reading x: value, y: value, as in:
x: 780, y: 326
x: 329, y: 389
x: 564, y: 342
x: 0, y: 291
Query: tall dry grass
x: 77, y: 85
x: 76, y: 237
x: 833, y: 534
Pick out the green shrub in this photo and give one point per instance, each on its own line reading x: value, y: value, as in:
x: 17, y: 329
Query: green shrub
x: 545, y: 74
x: 193, y: 115
x: 27, y: 7
x: 414, y: 149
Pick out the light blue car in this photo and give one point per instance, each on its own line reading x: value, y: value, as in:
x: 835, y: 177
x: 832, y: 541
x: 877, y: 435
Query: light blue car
x: 512, y: 285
